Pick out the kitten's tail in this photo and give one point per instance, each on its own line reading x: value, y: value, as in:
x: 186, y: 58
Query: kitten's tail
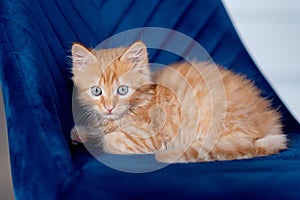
x: 271, y: 144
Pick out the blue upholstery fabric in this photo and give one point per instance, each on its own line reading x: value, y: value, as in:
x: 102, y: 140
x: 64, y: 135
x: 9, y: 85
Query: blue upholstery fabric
x: 35, y: 78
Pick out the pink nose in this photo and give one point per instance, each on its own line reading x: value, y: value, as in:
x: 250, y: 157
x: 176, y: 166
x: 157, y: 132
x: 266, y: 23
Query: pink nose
x: 109, y: 108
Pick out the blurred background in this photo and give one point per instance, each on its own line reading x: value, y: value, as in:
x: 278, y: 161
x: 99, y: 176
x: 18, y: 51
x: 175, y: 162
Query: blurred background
x: 270, y: 30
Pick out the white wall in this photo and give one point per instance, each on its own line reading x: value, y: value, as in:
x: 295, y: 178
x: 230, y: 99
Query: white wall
x: 270, y: 30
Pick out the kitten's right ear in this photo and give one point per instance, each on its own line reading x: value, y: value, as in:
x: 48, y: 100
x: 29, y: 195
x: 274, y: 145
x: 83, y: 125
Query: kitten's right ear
x: 81, y: 56
x: 136, y: 54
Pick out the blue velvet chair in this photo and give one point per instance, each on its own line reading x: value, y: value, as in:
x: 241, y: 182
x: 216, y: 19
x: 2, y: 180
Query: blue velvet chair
x: 36, y: 37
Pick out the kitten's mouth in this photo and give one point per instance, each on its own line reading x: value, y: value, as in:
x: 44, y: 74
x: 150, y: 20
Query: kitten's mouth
x: 111, y: 116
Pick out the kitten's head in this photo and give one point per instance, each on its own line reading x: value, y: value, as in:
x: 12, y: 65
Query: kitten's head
x: 112, y: 81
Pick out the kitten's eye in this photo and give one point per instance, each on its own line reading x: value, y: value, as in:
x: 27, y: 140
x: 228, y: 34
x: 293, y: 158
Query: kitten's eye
x: 96, y: 91
x: 122, y: 90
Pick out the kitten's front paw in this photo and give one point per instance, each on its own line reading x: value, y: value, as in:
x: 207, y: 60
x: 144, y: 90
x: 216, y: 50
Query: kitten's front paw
x: 78, y: 135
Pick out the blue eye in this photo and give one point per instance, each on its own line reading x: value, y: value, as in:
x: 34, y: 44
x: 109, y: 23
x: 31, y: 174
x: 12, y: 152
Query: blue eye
x: 122, y: 90
x: 96, y: 91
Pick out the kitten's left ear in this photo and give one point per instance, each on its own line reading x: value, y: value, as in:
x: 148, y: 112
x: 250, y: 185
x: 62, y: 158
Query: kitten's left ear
x: 136, y: 54
x: 81, y: 56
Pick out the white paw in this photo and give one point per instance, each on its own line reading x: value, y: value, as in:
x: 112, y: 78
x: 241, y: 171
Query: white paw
x: 78, y: 135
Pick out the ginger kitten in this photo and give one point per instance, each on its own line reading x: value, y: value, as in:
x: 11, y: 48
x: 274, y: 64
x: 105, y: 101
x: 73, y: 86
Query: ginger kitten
x: 186, y: 112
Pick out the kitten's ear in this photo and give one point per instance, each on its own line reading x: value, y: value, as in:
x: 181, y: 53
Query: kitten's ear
x: 136, y: 54
x: 81, y: 56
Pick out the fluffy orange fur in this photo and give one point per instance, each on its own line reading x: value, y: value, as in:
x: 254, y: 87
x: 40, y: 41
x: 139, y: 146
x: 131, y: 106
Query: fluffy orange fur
x: 186, y: 112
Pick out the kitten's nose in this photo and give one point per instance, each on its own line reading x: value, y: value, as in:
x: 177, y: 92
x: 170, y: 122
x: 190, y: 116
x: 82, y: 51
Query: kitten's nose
x: 109, y: 108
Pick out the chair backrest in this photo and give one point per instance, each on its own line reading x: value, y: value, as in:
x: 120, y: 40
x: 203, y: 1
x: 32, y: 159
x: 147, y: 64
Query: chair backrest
x: 55, y: 25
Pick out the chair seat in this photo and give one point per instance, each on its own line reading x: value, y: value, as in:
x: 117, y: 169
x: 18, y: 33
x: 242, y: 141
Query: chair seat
x: 269, y: 177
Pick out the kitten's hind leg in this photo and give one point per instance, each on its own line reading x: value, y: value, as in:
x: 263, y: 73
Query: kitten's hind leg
x: 168, y: 156
x: 184, y: 154
x: 271, y: 144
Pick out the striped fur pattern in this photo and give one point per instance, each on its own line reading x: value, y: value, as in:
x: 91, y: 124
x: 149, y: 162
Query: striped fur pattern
x: 186, y: 112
